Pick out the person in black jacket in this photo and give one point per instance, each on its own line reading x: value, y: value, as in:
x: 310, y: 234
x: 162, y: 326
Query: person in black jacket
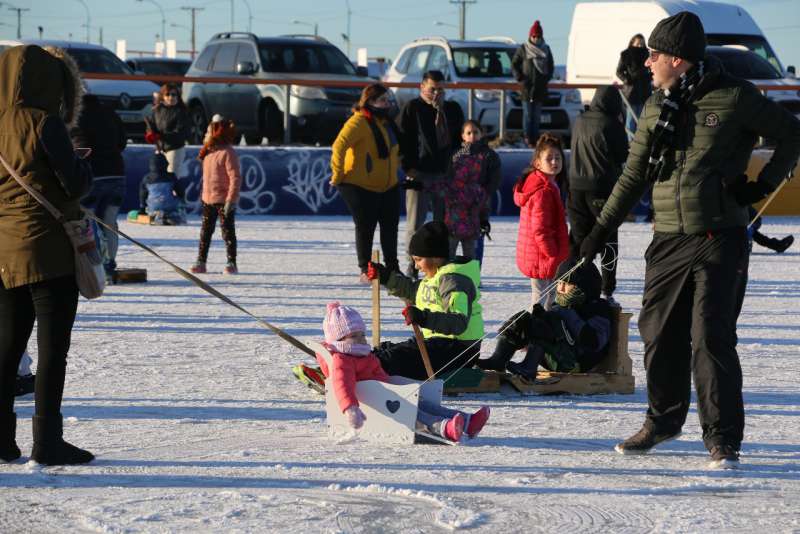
x: 635, y: 77
x: 169, y: 126
x: 100, y: 129
x: 430, y: 130
x: 599, y: 149
x: 532, y: 65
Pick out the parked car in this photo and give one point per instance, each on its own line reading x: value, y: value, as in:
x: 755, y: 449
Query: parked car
x: 317, y: 113
x: 159, y: 66
x: 131, y: 100
x: 476, y: 61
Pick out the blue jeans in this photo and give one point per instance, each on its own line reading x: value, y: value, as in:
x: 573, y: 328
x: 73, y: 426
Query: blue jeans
x: 533, y: 116
x: 104, y: 201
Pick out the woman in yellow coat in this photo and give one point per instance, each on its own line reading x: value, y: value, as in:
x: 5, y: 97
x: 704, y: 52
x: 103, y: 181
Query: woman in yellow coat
x: 364, y: 166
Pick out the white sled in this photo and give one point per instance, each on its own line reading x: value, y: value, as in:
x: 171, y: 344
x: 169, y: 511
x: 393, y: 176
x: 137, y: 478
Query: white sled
x: 390, y: 409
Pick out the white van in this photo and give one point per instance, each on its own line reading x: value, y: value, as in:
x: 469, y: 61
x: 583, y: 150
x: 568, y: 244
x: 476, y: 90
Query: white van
x: 601, y: 30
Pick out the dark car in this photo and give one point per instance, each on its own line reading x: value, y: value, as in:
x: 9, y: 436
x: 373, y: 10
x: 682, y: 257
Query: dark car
x: 159, y: 66
x: 317, y: 113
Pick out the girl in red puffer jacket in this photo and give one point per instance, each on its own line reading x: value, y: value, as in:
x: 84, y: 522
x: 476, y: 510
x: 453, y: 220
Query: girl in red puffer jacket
x: 542, y: 242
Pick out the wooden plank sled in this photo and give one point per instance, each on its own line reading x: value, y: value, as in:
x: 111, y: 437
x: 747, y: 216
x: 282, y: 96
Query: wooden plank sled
x: 130, y: 276
x: 390, y: 408
x: 138, y: 218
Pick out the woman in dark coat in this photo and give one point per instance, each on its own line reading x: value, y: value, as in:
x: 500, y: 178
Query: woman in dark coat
x: 39, y: 95
x: 169, y: 126
x: 635, y: 77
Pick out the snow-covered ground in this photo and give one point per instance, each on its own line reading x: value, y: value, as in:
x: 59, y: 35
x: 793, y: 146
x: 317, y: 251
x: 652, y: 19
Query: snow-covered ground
x: 199, y: 426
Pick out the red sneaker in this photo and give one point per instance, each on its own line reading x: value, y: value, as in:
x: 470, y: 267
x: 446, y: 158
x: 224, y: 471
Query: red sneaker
x: 198, y: 268
x: 476, y: 421
x: 454, y: 428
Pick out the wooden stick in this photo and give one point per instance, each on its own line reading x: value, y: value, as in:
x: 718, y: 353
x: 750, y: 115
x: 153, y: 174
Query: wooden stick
x: 770, y: 199
x: 423, y: 350
x: 376, y: 304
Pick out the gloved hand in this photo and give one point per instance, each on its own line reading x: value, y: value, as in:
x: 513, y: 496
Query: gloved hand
x: 414, y: 315
x: 485, y: 229
x: 378, y: 271
x: 594, y: 243
x: 414, y: 185
x: 747, y: 193
x: 516, y: 329
x: 538, y: 311
x: 151, y: 137
x: 355, y: 417
x: 229, y: 208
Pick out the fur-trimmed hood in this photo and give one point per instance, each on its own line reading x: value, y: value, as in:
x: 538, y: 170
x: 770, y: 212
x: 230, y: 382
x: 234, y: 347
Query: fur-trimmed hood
x: 31, y: 76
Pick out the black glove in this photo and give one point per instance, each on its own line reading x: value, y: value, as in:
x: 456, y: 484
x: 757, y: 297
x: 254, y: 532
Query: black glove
x: 414, y: 185
x: 747, y: 193
x: 538, y: 311
x: 594, y: 243
x: 379, y: 271
x: 516, y: 329
x: 485, y: 229
x: 414, y: 315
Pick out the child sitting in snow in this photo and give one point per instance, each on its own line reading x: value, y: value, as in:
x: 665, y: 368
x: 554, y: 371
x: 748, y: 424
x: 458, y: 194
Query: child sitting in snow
x: 571, y: 337
x: 161, y: 195
x: 353, y: 361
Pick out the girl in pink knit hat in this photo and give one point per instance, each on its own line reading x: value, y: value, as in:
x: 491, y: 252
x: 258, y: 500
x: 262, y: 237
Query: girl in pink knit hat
x: 353, y: 360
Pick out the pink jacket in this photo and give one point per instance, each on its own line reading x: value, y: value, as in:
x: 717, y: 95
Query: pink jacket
x: 542, y: 242
x: 347, y: 370
x: 221, y: 177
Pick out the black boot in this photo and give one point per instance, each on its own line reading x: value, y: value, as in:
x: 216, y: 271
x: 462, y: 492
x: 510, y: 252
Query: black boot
x: 8, y: 432
x: 781, y: 245
x: 49, y: 447
x: 502, y: 354
x: 528, y: 366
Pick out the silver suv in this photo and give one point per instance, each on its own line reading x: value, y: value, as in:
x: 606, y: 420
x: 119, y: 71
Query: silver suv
x: 132, y: 100
x: 317, y: 113
x: 475, y: 61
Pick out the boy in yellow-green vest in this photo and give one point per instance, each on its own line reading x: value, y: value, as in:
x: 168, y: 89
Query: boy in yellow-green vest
x: 445, y: 306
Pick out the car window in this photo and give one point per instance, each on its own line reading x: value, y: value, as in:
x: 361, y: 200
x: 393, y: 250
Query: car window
x: 176, y: 68
x: 246, y: 53
x: 203, y: 62
x: 477, y: 62
x: 303, y: 58
x: 747, y: 65
x: 438, y: 60
x: 420, y: 59
x: 99, y: 61
x: 401, y: 65
x: 755, y: 43
x: 225, y: 61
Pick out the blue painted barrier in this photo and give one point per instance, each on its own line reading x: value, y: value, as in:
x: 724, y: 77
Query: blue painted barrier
x: 288, y: 181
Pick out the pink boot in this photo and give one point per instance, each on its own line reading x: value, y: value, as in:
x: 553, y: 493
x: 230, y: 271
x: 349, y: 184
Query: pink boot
x: 454, y: 428
x: 476, y: 422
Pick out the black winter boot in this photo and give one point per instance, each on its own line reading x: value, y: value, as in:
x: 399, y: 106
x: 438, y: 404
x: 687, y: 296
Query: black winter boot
x: 49, y: 447
x: 502, y: 354
x: 8, y: 432
x: 528, y: 366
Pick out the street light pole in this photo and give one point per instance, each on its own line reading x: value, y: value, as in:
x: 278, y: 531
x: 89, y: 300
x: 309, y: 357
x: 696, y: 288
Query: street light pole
x: 194, y: 11
x: 349, y: 12
x: 315, y: 25
x: 163, y: 18
x: 462, y: 31
x: 88, y: 19
x: 249, y: 16
x: 19, y: 11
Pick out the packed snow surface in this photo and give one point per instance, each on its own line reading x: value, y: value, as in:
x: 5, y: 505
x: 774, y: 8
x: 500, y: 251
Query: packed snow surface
x: 199, y: 426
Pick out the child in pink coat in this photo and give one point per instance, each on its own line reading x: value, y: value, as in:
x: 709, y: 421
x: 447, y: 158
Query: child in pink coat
x: 542, y: 242
x: 353, y: 361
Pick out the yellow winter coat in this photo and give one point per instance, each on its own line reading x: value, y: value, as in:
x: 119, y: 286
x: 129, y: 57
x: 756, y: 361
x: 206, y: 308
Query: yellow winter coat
x: 354, y: 155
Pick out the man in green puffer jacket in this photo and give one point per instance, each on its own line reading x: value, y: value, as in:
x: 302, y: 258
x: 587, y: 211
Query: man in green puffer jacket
x: 695, y: 139
x: 445, y: 306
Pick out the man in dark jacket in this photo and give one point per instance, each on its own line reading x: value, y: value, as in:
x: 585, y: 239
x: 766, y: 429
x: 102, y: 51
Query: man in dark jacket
x: 532, y: 65
x: 101, y: 130
x: 430, y: 130
x: 693, y: 143
x: 599, y: 149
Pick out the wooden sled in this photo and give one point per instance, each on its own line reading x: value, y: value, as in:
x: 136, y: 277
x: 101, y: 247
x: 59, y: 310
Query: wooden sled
x: 613, y: 375
x: 138, y: 218
x: 130, y: 276
x: 390, y: 409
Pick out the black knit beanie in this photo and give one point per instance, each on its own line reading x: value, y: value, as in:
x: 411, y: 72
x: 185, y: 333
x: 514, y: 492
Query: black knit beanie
x: 681, y: 35
x: 432, y: 240
x: 586, y: 277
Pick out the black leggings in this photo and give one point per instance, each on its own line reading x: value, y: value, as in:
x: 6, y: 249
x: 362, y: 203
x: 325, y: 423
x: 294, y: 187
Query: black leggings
x: 52, y: 304
x: 370, y: 209
x: 210, y: 212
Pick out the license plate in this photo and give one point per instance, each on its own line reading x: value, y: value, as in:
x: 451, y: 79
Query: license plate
x: 130, y: 116
x: 545, y: 118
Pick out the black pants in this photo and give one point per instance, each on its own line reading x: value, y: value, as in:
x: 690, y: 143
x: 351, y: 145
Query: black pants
x: 404, y: 359
x: 370, y: 209
x: 227, y: 223
x: 52, y: 304
x: 583, y: 208
x: 688, y: 325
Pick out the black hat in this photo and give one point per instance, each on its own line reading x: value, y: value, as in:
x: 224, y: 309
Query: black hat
x: 586, y: 277
x: 681, y: 35
x: 432, y: 240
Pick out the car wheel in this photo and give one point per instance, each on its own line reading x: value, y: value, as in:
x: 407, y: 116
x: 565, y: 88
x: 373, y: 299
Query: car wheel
x: 272, y: 123
x: 197, y: 129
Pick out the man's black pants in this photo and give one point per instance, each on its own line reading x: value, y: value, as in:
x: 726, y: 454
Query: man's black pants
x: 688, y: 325
x: 583, y: 208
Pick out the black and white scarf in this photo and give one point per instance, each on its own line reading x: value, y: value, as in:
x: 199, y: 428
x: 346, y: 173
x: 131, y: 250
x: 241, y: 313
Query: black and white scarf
x: 675, y: 104
x: 538, y: 54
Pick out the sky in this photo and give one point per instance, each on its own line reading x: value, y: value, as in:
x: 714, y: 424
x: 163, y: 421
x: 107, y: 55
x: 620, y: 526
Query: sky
x: 382, y: 26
